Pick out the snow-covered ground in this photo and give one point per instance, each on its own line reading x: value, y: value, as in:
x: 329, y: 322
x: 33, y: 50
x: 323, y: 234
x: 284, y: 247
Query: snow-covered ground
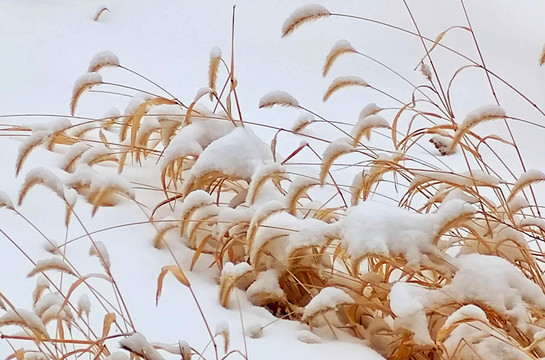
x: 47, y: 45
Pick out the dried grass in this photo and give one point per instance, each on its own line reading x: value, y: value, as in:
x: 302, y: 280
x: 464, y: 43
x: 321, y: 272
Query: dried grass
x: 230, y: 218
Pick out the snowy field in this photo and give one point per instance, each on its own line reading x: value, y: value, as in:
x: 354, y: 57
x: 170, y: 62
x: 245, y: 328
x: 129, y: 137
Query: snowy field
x: 47, y: 45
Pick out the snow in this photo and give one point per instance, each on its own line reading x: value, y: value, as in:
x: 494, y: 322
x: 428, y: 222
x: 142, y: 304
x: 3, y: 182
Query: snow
x: 99, y: 250
x: 372, y: 228
x: 5, y: 201
x: 483, y: 113
x: 86, y: 80
x: 303, y: 121
x: 103, y: 59
x: 138, y: 344
x: 236, y: 270
x: 281, y: 98
x: 47, y: 301
x: 60, y: 37
x: 50, y: 264
x: 265, y: 286
x: 329, y: 298
x: 25, y: 317
x: 369, y: 110
x: 84, y: 305
x: 237, y: 155
x: 464, y: 313
x: 215, y: 52
x: 364, y: 125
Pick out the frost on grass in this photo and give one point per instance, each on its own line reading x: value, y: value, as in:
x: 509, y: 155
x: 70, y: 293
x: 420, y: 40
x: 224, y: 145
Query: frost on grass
x: 103, y: 59
x: 303, y: 14
x: 137, y: 344
x: 281, y: 98
x: 328, y: 298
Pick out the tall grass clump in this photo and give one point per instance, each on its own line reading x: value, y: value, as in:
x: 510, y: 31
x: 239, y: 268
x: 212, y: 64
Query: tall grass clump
x: 392, y: 245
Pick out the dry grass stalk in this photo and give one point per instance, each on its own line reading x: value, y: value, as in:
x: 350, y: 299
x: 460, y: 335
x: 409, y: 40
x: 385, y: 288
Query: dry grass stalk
x: 341, y: 47
x: 213, y: 67
x: 84, y: 83
x: 333, y: 152
x: 342, y: 82
x: 99, y: 12
x: 474, y: 118
x: 178, y: 274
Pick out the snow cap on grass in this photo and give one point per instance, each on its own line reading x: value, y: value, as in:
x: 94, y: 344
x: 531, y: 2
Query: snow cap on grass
x: 498, y: 284
x: 329, y: 298
x: 83, y: 83
x: 84, y: 305
x: 302, y: 15
x: 47, y: 301
x: 466, y: 312
x: 342, y: 82
x: 266, y: 287
x: 98, y: 249
x: 50, y: 264
x: 193, y: 138
x: 24, y: 318
x: 236, y: 270
x: 138, y: 344
x: 5, y: 201
x: 44, y: 177
x: 103, y: 59
x: 364, y: 126
x: 237, y: 155
x: 408, y: 302
x: 372, y: 228
x: 281, y: 98
x: 302, y: 122
x: 341, y: 47
x: 369, y: 110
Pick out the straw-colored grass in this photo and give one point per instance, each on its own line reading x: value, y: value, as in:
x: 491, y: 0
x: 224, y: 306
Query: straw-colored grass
x: 273, y: 235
